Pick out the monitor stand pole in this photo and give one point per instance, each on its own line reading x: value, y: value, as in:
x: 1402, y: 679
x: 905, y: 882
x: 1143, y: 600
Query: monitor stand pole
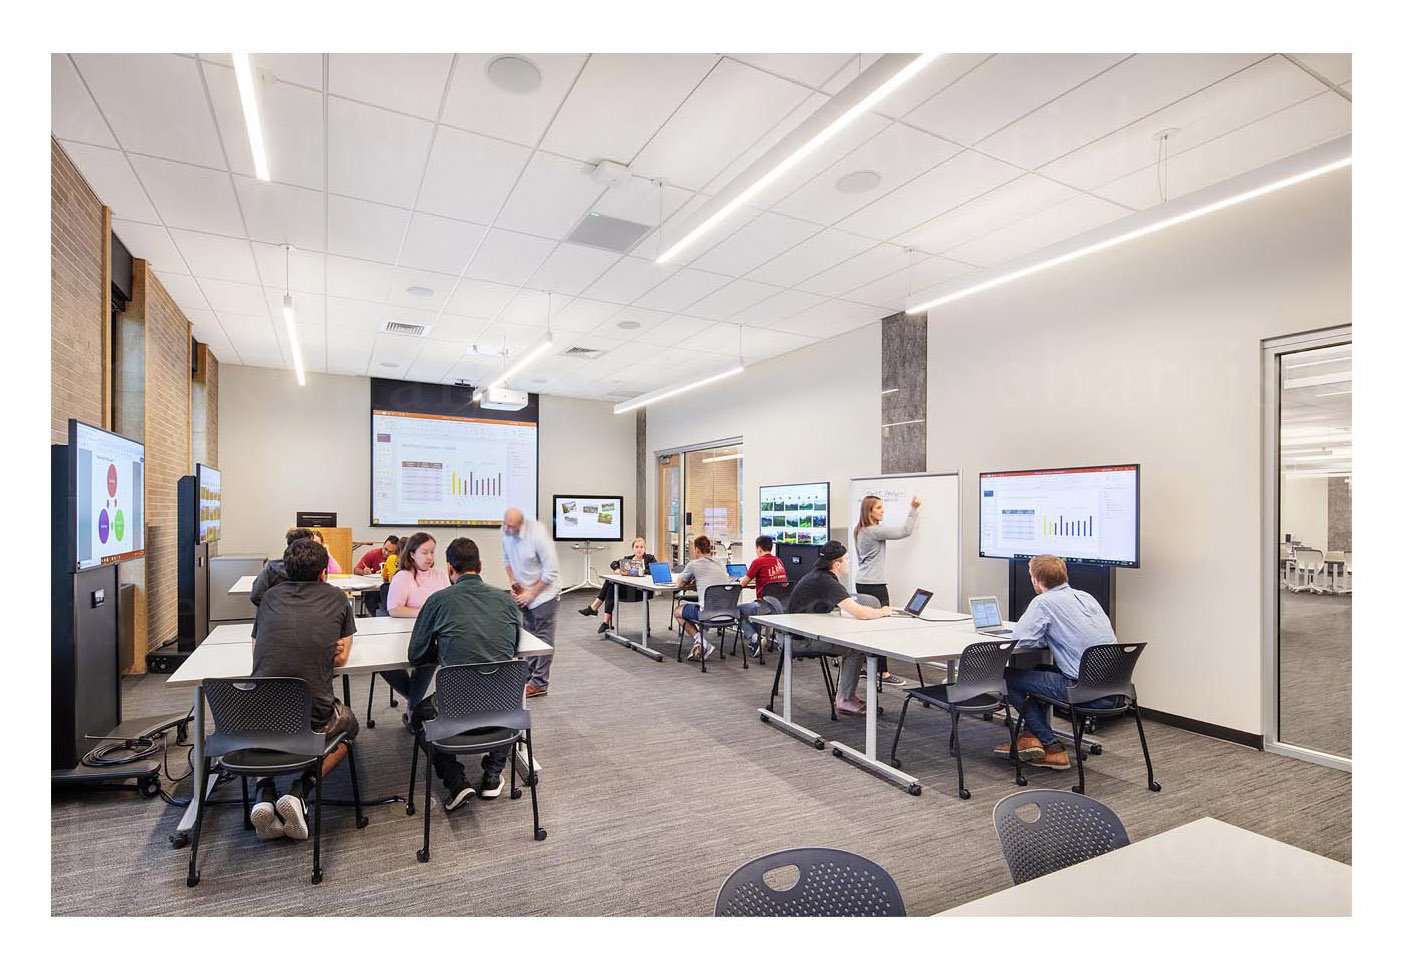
x: 589, y: 580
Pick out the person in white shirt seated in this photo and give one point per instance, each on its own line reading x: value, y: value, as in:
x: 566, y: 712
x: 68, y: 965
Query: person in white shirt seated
x: 704, y: 572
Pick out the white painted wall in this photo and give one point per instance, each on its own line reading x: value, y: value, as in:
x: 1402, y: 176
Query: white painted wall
x: 1305, y: 510
x: 284, y: 448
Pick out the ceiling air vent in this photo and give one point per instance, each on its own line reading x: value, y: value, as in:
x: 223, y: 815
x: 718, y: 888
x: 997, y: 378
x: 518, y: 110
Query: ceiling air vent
x: 608, y: 233
x: 582, y: 353
x: 404, y: 329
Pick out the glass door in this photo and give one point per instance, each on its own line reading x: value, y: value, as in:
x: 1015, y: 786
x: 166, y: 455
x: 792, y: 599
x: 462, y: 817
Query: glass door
x: 712, y: 492
x: 669, y: 509
x: 1310, y: 563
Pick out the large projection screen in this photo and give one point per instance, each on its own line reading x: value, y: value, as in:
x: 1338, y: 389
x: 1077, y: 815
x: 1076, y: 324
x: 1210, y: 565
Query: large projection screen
x: 438, y: 459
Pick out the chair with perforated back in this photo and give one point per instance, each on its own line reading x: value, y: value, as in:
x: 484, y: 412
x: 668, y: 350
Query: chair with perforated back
x: 799, y: 654
x: 779, y: 591
x: 720, y: 609
x: 831, y: 883
x: 1310, y: 563
x: 978, y: 689
x: 1060, y: 829
x: 1104, y: 674
x: 479, y: 708
x: 263, y: 727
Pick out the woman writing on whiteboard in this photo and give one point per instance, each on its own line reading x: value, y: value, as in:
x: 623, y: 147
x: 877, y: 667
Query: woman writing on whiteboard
x: 640, y: 554
x: 870, y: 539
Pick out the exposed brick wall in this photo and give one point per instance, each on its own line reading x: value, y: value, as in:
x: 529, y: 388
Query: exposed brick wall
x: 80, y: 307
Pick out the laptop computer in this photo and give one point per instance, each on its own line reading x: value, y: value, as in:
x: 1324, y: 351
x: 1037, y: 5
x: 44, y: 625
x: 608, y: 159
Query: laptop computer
x: 661, y: 572
x: 985, y: 610
x: 920, y: 598
x: 736, y: 571
x: 633, y: 568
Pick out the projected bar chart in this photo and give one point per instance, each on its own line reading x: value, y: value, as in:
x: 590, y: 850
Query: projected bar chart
x: 475, y: 484
x: 1070, y: 527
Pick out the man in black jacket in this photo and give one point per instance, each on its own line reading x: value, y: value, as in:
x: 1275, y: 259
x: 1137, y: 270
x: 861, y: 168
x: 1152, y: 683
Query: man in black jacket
x: 276, y: 571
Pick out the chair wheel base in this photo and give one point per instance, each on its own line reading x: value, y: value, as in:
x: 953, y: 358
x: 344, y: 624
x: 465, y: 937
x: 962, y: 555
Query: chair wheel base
x: 516, y: 794
x: 1021, y: 781
x: 1078, y: 789
x: 409, y: 810
x: 837, y: 752
x: 895, y: 762
x: 317, y: 877
x: 914, y: 789
x: 1095, y: 749
x: 1154, y: 785
x: 423, y: 855
x: 394, y: 703
x: 370, y: 724
x: 540, y: 833
x: 362, y: 823
x: 964, y: 794
x: 192, y: 881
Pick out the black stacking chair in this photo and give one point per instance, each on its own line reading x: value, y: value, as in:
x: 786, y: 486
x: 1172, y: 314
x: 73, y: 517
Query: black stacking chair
x: 1064, y: 829
x: 977, y: 689
x: 381, y: 611
x: 779, y: 591
x: 263, y: 727
x: 829, y: 686
x: 1104, y: 674
x: 831, y: 883
x: 479, y: 708
x: 719, y: 610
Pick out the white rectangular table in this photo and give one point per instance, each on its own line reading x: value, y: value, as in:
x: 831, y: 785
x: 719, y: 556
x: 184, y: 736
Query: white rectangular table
x: 241, y: 633
x: 1204, y: 868
x: 369, y: 654
x: 347, y: 583
x: 649, y: 588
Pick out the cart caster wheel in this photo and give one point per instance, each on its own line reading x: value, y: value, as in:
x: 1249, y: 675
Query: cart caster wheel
x: 370, y: 724
x: 1078, y: 789
x: 1021, y: 781
x: 1154, y: 785
x: 317, y: 877
x: 895, y: 762
x: 964, y: 794
x: 532, y: 780
x: 541, y: 834
x: 1095, y: 749
x: 914, y: 789
x: 516, y: 794
x: 149, y: 788
x: 837, y: 752
x: 409, y: 810
x: 192, y: 881
x: 179, y: 840
x: 423, y: 855
x: 764, y: 718
x: 818, y: 744
x: 362, y: 823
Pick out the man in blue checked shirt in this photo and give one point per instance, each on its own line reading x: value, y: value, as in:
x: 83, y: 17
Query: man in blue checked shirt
x: 528, y: 553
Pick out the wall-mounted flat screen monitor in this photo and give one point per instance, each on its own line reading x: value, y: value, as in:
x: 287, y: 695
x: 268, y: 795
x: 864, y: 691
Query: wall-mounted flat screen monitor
x: 1084, y: 514
x: 106, y: 482
x: 209, y: 510
x: 577, y: 517
x: 795, y: 514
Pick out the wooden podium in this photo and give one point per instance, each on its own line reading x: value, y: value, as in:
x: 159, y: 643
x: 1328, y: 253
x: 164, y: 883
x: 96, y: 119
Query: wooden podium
x: 338, y: 543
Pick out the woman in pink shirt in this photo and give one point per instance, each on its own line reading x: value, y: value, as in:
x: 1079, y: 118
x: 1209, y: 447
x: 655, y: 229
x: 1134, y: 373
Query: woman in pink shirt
x: 416, y: 579
x: 333, y: 567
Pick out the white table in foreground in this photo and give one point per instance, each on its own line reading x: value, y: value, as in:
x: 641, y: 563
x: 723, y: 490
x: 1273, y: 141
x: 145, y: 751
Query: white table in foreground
x: 241, y: 633
x: 347, y: 583
x: 1204, y: 868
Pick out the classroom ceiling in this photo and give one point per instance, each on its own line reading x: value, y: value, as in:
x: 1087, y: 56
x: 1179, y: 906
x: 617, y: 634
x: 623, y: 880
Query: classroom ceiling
x: 416, y: 188
x: 1317, y: 427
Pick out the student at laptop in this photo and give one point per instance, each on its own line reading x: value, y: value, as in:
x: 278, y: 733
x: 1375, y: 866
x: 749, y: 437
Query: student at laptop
x: 821, y: 591
x: 1067, y: 622
x: 606, y: 596
x: 870, y: 539
x: 302, y: 630
x: 766, y: 568
x: 467, y: 622
x: 275, y: 571
x: 703, y: 571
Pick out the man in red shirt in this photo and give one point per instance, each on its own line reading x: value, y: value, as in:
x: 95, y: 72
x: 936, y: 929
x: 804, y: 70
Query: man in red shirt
x: 372, y: 561
x: 766, y: 568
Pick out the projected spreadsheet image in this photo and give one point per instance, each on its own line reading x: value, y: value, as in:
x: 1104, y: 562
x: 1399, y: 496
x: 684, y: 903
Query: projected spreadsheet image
x: 1080, y: 514
x: 456, y: 471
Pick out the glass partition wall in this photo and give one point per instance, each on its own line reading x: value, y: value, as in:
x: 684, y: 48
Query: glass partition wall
x: 699, y: 492
x: 1307, y: 613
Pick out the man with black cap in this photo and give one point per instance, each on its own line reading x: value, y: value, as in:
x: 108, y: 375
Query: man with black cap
x: 821, y: 591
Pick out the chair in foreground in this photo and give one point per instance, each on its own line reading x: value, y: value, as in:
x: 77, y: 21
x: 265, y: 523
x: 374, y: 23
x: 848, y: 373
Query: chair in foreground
x: 831, y: 883
x: 1042, y: 831
x: 480, y: 708
x: 1104, y: 674
x: 977, y: 689
x: 263, y: 727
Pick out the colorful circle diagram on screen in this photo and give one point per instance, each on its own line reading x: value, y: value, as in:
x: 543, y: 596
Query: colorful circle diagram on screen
x: 103, y: 526
x: 119, y: 525
x: 112, y: 481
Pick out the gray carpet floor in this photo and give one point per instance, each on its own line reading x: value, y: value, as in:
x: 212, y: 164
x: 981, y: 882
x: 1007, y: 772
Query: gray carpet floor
x: 1315, y: 667
x: 657, y: 782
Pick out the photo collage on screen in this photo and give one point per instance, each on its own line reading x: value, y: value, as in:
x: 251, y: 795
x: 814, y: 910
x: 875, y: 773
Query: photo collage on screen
x: 795, y: 513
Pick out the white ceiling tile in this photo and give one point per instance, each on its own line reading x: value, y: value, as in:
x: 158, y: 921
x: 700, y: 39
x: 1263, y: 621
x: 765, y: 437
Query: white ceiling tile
x: 735, y: 105
x: 890, y: 292
x: 205, y: 327
x: 1002, y: 90
x: 393, y: 353
x: 552, y: 195
x: 186, y: 292
x: 1127, y: 92
x: 438, y: 284
x: 1260, y: 90
x: 112, y: 180
x: 828, y: 319
x: 155, y: 104
x: 823, y: 251
x: 755, y: 243
x: 1282, y: 134
x: 688, y: 217
x: 357, y: 279
x: 189, y: 197
x: 946, y: 70
x: 469, y: 176
x: 237, y: 298
x: 354, y: 319
x: 731, y: 299
x: 720, y: 338
x: 646, y: 319
x: 779, y: 306
x: 681, y: 289
x: 412, y: 83
x: 762, y: 344
x: 292, y: 128
x: 636, y: 200
x: 898, y: 154
x: 571, y: 268
x: 303, y: 69
x: 851, y: 136
x: 440, y: 244
x: 308, y: 268
x: 1002, y: 206
x: 965, y: 176
x: 436, y: 357
x: 509, y: 257
x: 475, y: 103
x: 582, y: 315
x: 1335, y: 68
x: 458, y: 331
x: 811, y: 70
x: 217, y: 256
x: 876, y: 262
x: 1062, y: 221
x: 365, y: 230
x: 480, y: 299
x: 629, y: 278
x: 152, y: 243
x: 374, y: 154
x: 675, y: 330
x: 620, y: 101
x: 352, y: 359
x: 280, y: 214
x: 527, y: 308
x: 72, y: 113
x: 310, y: 311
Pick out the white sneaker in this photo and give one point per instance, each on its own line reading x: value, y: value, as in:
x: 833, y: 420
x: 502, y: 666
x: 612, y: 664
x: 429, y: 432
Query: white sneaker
x: 293, y: 812
x: 456, y: 798
x: 266, y: 822
x: 710, y: 651
x: 493, y: 792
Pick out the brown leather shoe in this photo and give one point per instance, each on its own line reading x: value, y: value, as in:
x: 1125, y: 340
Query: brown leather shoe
x: 532, y: 692
x: 1054, y: 758
x: 1030, y: 748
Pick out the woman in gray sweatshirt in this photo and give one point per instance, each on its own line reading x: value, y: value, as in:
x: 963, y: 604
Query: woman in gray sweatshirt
x: 870, y: 538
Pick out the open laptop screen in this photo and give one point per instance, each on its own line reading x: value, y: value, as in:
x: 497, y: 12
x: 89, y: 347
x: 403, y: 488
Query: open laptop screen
x: 985, y: 612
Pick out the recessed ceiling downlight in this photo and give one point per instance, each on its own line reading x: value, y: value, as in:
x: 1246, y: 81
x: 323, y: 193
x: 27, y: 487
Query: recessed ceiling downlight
x: 629, y: 324
x: 857, y: 182
x: 514, y: 74
x: 421, y: 292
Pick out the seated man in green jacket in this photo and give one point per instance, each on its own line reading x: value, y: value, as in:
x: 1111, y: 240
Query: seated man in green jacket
x: 467, y: 622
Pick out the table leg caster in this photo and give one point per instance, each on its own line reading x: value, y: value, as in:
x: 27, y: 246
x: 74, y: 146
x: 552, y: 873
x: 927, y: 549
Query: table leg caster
x: 423, y: 855
x: 1154, y: 785
x: 964, y: 794
x: 1021, y: 781
x: 540, y: 833
x: 317, y: 877
x: 914, y: 789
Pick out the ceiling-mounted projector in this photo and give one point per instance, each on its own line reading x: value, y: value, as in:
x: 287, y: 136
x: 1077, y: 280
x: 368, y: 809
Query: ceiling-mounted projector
x: 500, y: 398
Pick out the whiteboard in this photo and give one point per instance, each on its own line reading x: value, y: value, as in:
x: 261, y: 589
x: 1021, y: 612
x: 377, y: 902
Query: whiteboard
x: 930, y: 557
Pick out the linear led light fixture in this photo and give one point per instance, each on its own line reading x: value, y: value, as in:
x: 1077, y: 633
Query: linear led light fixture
x: 539, y: 349
x: 869, y: 89
x: 1301, y: 167
x: 654, y: 396
x: 248, y: 97
x: 290, y: 320
x: 717, y: 460
x: 1333, y: 359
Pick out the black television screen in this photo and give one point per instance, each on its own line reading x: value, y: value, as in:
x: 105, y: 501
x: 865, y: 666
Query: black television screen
x: 1084, y: 514
x: 106, y: 487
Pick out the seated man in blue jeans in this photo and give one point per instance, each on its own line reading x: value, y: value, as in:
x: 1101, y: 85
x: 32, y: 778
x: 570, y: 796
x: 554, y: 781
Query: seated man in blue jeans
x: 1067, y: 622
